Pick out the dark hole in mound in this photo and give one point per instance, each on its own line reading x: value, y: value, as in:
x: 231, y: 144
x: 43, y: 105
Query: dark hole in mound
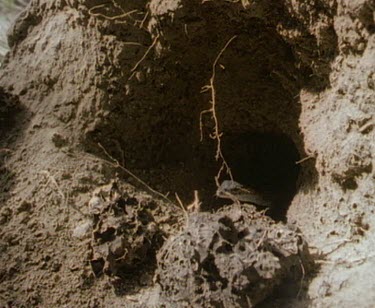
x: 97, y: 266
x: 224, y: 249
x: 107, y: 235
x: 266, y: 163
x: 212, y: 274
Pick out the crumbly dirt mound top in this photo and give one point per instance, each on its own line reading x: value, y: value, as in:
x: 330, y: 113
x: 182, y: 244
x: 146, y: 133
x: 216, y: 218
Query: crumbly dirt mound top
x: 233, y: 258
x: 125, y: 230
x: 125, y: 233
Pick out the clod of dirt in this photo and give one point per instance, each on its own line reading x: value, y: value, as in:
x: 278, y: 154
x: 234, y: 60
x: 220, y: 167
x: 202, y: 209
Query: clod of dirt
x: 125, y: 233
x: 233, y: 258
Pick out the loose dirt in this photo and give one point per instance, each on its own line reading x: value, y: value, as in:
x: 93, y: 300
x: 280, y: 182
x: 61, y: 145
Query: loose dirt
x: 104, y: 144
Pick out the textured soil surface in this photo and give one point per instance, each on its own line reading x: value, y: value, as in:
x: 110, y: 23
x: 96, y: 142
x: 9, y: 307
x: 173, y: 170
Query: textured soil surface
x: 119, y: 119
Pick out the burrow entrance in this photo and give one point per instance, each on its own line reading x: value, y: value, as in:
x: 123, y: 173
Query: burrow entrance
x: 267, y: 163
x: 153, y: 125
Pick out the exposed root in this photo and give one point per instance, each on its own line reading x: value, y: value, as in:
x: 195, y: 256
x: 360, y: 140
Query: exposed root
x: 348, y: 263
x: 303, y: 159
x: 144, y: 56
x: 217, y: 134
x: 125, y: 14
x: 133, y: 44
x: 302, y: 277
x: 115, y: 163
x: 195, y: 206
x: 183, y: 208
x: 143, y: 21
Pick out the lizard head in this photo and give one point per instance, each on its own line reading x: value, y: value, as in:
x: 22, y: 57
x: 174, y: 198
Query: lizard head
x: 227, y: 187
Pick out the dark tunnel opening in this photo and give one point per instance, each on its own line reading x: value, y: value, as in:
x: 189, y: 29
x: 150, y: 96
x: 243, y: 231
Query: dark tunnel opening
x: 266, y: 163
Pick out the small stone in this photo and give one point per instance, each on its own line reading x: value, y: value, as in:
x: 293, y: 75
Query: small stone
x: 83, y: 229
x: 95, y: 205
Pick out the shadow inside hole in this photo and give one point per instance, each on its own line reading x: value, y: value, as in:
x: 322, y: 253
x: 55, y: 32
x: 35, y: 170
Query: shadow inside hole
x: 265, y: 162
x: 13, y: 123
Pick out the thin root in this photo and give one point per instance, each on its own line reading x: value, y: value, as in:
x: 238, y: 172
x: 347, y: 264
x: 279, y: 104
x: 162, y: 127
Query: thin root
x: 144, y: 56
x: 217, y: 134
x: 182, y: 207
x: 303, y: 159
x: 195, y: 206
x: 125, y: 14
x: 115, y: 163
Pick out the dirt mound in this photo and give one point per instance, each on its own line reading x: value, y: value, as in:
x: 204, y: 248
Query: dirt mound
x: 164, y: 98
x: 233, y: 258
x: 125, y: 234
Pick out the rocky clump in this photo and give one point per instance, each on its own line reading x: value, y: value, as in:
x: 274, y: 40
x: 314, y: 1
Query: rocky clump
x: 233, y: 258
x: 125, y: 233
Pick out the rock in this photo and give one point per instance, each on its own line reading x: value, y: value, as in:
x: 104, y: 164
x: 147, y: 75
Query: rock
x: 83, y: 229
